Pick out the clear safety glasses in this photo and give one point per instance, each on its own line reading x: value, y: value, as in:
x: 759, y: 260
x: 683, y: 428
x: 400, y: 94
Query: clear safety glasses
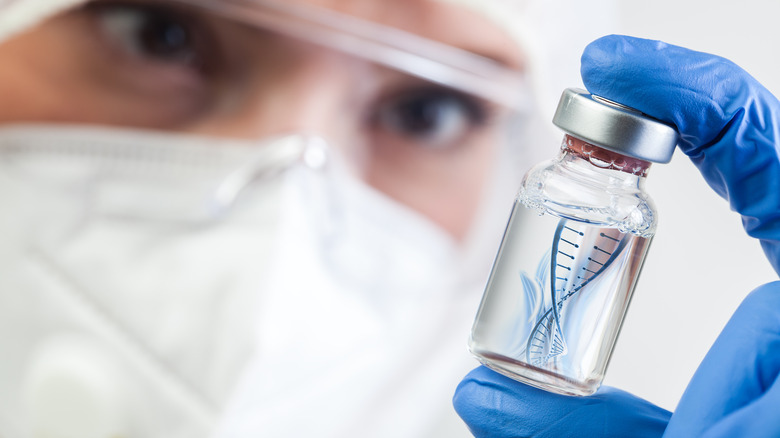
x: 428, y: 59
x: 416, y: 96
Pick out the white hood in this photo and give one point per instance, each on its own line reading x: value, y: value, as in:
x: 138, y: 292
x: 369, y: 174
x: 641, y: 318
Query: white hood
x: 19, y: 15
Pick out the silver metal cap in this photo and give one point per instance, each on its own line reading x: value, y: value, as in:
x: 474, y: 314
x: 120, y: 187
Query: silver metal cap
x: 615, y: 127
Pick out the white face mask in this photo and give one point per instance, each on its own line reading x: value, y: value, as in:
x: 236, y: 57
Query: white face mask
x: 141, y: 253
x: 361, y: 332
x: 142, y: 274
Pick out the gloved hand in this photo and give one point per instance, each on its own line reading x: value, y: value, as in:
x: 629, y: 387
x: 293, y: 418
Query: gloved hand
x: 729, y: 127
x: 729, y: 124
x: 734, y: 393
x: 495, y: 406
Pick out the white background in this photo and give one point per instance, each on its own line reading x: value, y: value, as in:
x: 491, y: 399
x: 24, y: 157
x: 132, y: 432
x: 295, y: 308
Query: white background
x: 701, y: 263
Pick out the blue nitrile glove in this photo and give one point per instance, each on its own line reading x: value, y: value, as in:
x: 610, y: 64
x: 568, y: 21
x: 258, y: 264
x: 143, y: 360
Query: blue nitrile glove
x: 494, y: 406
x: 728, y: 124
x: 735, y: 393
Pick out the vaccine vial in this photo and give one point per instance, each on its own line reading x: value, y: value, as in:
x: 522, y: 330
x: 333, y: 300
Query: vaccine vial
x: 573, y: 249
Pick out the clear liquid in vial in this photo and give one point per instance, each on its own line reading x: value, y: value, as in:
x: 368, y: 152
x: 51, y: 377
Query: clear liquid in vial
x: 556, y: 299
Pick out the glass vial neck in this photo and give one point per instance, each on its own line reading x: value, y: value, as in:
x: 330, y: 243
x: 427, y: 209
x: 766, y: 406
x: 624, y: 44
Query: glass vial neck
x: 603, y: 158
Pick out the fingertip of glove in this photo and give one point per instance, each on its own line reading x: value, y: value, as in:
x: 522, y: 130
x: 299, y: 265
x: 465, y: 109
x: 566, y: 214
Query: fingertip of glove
x: 480, y: 401
x: 608, y: 47
x: 468, y: 401
x: 470, y: 393
x: 611, y: 56
x: 484, y: 393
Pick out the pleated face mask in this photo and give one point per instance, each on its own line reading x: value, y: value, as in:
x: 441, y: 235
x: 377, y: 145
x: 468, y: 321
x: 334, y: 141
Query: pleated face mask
x: 131, y: 263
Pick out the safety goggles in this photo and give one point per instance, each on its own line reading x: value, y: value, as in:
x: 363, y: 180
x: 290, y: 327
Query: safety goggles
x: 396, y: 90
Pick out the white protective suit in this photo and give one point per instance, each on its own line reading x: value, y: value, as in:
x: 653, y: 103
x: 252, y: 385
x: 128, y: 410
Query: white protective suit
x: 216, y: 311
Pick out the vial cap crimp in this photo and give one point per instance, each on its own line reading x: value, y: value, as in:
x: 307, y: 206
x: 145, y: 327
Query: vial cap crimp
x: 615, y: 127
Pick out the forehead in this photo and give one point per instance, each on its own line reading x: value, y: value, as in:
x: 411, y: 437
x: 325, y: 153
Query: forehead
x: 438, y: 20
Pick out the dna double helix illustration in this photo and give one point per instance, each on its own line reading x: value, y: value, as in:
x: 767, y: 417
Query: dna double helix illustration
x: 580, y: 254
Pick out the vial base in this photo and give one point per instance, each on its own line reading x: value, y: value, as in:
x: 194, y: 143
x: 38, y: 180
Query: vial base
x: 537, y: 377
x: 555, y: 300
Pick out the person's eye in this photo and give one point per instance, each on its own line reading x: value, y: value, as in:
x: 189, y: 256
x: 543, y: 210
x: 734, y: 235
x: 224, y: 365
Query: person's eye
x: 152, y: 33
x: 434, y: 117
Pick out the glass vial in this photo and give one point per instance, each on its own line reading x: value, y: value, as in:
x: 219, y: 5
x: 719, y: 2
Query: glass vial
x: 573, y: 249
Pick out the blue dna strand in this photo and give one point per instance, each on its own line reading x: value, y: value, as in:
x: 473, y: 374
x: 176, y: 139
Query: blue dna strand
x: 580, y: 253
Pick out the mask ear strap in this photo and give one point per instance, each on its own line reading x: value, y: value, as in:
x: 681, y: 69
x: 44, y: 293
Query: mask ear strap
x: 270, y: 160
